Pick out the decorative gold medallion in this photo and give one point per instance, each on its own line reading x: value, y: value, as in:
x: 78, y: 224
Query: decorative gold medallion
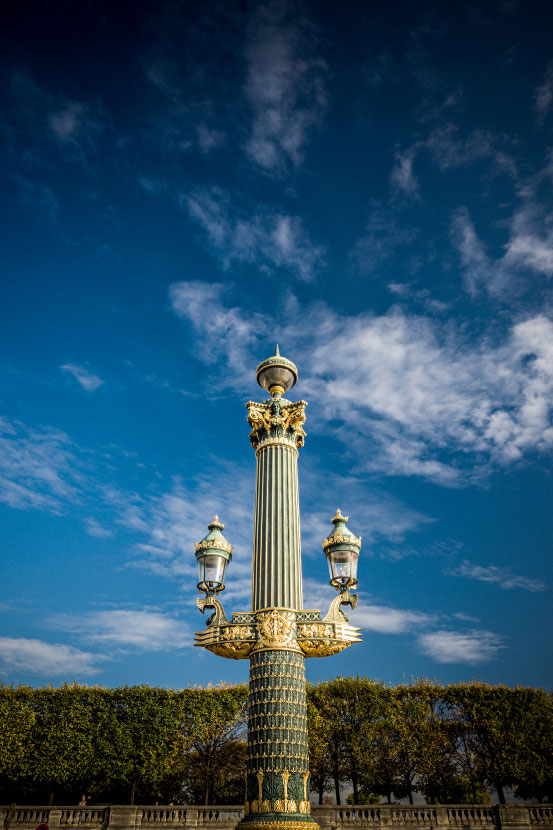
x: 276, y: 627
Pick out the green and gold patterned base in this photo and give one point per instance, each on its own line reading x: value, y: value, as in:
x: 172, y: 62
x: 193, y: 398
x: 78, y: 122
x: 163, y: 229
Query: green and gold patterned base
x: 277, y: 768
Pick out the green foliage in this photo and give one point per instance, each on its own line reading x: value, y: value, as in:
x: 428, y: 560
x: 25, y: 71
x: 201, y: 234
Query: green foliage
x: 213, y: 728
x: 16, y: 718
x: 370, y: 798
x: 446, y: 742
x: 116, y: 743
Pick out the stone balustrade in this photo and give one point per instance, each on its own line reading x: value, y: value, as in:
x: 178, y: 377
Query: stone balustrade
x: 376, y: 817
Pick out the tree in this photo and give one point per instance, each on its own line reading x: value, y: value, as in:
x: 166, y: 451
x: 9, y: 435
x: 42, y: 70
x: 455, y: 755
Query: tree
x: 16, y: 722
x: 213, y: 728
x: 498, y: 727
x: 59, y: 751
x: 148, y: 737
x: 320, y: 761
x: 330, y: 707
x: 381, y: 773
x: 535, y: 769
x: 432, y: 735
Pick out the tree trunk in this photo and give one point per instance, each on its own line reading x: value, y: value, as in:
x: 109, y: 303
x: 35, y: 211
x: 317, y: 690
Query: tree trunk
x: 431, y: 791
x: 51, y: 799
x: 355, y: 789
x: 473, y: 788
x: 337, y: 786
x: 500, y: 793
x: 133, y: 792
x: 321, y: 793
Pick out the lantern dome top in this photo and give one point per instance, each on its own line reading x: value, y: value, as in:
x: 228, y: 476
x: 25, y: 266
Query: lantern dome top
x: 214, y: 541
x: 276, y: 374
x: 341, y: 535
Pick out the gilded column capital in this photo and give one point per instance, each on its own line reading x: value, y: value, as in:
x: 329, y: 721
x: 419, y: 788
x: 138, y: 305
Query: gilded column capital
x: 276, y: 421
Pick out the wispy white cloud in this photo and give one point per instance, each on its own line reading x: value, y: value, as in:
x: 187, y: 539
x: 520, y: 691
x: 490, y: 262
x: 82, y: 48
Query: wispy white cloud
x: 495, y: 575
x: 528, y: 251
x: 388, y: 620
x: 153, y: 185
x: 94, y: 528
x: 416, y: 387
x: 237, y: 333
x: 268, y: 238
x: 414, y: 395
x: 83, y: 376
x: 384, y: 519
x: 543, y: 95
x: 403, y: 176
x: 209, y: 138
x: 460, y: 647
x: 76, y: 125
x: 385, y: 234
x: 169, y: 524
x: 39, y: 198
x: 285, y: 85
x: 448, y: 150
x: 141, y: 630
x: 38, y: 468
x: 50, y: 660
x: 475, y: 262
x: 381, y: 69
x: 443, y: 645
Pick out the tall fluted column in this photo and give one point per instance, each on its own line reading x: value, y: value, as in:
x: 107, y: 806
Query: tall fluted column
x: 277, y: 634
x: 276, y: 577
x: 277, y: 763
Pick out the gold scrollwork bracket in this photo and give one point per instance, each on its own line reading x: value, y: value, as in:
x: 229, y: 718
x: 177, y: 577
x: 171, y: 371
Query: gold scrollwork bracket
x: 233, y: 640
x: 335, y: 614
x: 218, y: 618
x: 331, y: 634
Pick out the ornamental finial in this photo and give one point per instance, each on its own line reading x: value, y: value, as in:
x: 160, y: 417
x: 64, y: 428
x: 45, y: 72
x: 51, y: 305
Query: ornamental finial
x: 277, y: 353
x: 216, y: 524
x: 338, y: 518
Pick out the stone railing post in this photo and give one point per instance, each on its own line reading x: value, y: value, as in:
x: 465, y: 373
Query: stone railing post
x: 324, y: 816
x: 513, y: 817
x: 442, y: 816
x: 54, y: 817
x: 191, y: 817
x: 122, y: 817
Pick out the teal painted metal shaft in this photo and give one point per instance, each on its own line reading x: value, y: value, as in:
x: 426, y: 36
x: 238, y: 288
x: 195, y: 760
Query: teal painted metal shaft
x: 278, y: 759
x: 276, y: 576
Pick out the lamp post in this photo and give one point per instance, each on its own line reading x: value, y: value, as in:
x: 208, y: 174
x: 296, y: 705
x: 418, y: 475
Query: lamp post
x: 277, y: 634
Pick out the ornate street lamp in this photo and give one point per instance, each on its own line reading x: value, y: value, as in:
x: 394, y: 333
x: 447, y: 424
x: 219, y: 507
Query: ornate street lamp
x: 213, y: 554
x: 342, y: 550
x: 277, y: 634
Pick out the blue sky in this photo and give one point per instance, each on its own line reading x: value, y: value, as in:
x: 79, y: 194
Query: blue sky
x: 370, y: 186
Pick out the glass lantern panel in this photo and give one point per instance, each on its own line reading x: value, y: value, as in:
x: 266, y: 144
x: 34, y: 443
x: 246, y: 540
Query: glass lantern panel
x: 342, y: 564
x: 212, y: 569
x: 354, y: 561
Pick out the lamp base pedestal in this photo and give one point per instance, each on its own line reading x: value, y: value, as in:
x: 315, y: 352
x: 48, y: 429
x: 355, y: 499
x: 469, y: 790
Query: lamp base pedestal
x: 278, y: 822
